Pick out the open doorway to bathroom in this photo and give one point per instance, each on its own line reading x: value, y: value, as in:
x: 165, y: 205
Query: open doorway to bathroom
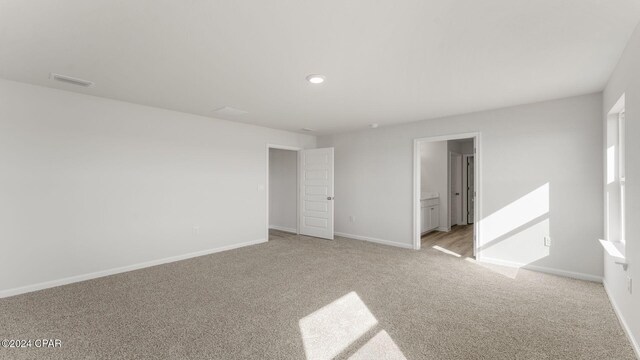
x: 446, y: 194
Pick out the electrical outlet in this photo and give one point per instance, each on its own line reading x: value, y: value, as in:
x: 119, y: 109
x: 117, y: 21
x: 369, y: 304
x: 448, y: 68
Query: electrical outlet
x: 196, y: 230
x: 547, y: 241
x: 352, y: 218
x: 629, y: 285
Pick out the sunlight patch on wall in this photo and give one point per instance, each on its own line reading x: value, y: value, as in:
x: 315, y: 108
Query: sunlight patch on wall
x: 516, y: 214
x: 519, y: 233
x: 380, y: 346
x: 523, y: 247
x: 329, y: 331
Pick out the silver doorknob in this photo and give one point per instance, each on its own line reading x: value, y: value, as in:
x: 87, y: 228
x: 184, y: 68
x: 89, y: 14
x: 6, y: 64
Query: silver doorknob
x: 330, y: 197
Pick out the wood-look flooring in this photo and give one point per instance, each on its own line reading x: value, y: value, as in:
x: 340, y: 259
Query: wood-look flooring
x: 279, y: 234
x: 459, y: 240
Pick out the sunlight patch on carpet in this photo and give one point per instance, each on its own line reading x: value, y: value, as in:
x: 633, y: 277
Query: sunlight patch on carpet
x: 330, y: 330
x: 380, y: 346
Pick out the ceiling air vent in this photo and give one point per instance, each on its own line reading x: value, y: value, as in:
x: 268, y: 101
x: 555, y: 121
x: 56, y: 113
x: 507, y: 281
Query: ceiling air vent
x: 71, y: 80
x: 229, y: 111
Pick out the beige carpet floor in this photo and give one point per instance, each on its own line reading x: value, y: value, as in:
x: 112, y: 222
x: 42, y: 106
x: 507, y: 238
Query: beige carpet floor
x: 298, y: 297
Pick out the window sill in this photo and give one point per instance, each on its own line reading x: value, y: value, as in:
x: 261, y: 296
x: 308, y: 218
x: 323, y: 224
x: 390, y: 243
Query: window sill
x: 614, y: 249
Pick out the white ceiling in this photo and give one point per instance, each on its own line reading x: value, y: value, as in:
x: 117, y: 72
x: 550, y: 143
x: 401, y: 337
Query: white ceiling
x: 385, y: 62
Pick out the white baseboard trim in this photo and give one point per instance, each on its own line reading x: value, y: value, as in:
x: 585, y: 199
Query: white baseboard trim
x: 98, y: 274
x: 439, y: 229
x: 443, y: 229
x: 625, y: 327
x: 283, y: 228
x: 374, y: 240
x: 565, y: 273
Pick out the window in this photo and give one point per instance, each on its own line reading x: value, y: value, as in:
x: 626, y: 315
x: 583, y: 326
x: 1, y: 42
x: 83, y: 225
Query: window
x: 621, y: 174
x: 615, y: 176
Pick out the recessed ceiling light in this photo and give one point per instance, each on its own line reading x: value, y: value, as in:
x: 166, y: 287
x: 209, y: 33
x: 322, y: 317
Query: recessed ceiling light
x: 373, y: 126
x: 308, y: 129
x: 315, y: 78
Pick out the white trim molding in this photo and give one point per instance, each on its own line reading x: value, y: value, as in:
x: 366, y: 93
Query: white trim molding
x: 374, y: 240
x: 623, y: 323
x: 102, y: 273
x: 542, y: 269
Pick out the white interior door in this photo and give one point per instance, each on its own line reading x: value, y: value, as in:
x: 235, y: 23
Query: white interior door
x: 316, y: 193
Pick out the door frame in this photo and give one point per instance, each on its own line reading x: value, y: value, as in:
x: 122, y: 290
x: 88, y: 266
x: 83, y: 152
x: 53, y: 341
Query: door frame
x: 465, y: 185
x: 282, y: 147
x: 477, y: 141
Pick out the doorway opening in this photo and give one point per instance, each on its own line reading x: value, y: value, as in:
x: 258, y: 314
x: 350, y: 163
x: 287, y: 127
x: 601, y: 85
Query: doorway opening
x: 282, y: 190
x: 299, y: 191
x: 447, y: 194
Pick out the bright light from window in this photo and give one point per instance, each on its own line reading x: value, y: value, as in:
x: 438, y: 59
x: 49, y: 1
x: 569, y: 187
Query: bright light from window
x: 611, y: 249
x: 516, y: 214
x: 380, y: 346
x: 441, y: 249
x: 518, y: 230
x: 621, y: 176
x: 615, y: 202
x: 329, y: 331
x: 611, y: 164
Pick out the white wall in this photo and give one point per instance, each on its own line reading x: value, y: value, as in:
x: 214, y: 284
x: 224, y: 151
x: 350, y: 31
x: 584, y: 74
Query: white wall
x: 524, y: 148
x: 626, y: 80
x: 90, y: 184
x: 283, y: 189
x: 434, y: 166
